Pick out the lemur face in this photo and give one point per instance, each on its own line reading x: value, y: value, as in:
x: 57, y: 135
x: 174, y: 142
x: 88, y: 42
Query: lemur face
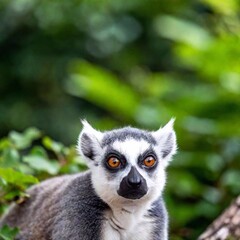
x: 127, y: 164
x: 130, y: 160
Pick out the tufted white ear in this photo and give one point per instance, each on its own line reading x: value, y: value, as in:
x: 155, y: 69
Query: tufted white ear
x: 166, y: 140
x: 89, y: 142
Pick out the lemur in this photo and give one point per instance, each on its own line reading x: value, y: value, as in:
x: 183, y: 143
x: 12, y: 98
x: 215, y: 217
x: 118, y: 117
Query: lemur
x: 118, y: 198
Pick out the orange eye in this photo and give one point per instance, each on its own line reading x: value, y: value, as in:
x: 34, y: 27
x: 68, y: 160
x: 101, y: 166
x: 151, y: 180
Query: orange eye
x: 113, y: 162
x: 149, y: 161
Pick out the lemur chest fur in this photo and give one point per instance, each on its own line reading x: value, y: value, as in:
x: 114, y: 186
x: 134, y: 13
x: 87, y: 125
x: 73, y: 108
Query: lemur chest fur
x: 127, y: 224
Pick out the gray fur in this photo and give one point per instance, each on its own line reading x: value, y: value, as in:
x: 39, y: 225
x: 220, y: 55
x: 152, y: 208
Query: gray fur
x: 127, y: 132
x: 59, y: 209
x: 159, y: 213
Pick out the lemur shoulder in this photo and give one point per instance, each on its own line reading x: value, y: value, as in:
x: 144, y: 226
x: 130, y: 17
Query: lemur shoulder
x: 118, y: 198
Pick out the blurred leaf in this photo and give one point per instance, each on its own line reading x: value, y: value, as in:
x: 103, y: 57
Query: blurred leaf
x: 226, y: 7
x: 231, y: 81
x: 224, y: 52
x: 182, y: 214
x: 182, y: 30
x: 206, y: 209
x: 230, y: 179
x: 53, y: 145
x: 39, y: 151
x: 215, y: 162
x: 7, y: 233
x: 187, y: 184
x: 4, y: 143
x: 231, y: 148
x: 39, y: 163
x: 102, y: 88
x: 19, y: 179
x: 197, y: 125
x: 12, y: 194
x: 9, y: 158
x: 212, y: 195
x: 25, y: 139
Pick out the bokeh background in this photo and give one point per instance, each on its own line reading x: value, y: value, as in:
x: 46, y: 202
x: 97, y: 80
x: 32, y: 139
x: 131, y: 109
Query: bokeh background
x: 136, y: 63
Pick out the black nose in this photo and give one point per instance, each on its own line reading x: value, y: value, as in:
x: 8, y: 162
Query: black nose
x: 134, y: 178
x: 133, y: 186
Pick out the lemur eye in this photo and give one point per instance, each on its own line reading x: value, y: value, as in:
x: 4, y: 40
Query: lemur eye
x: 113, y: 162
x: 149, y: 161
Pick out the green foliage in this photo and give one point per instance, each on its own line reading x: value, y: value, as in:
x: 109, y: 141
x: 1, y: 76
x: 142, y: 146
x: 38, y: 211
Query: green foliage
x: 25, y: 158
x: 7, y: 233
x: 114, y: 63
x: 10, y: 176
x: 29, y: 156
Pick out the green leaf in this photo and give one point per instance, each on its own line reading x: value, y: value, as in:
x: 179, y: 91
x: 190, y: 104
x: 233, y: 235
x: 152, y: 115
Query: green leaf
x: 225, y: 7
x: 4, y: 143
x: 182, y: 30
x: 103, y: 89
x: 24, y: 140
x: 188, y: 185
x: 12, y: 194
x: 17, y: 178
x: 9, y: 158
x: 42, y: 164
x: 53, y: 145
x: 230, y: 179
x: 39, y: 151
x: 7, y: 233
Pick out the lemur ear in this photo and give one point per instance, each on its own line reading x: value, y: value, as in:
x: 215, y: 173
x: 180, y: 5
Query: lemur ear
x: 166, y: 140
x: 89, y: 141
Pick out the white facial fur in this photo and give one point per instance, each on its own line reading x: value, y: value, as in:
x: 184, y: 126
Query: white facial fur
x: 105, y: 185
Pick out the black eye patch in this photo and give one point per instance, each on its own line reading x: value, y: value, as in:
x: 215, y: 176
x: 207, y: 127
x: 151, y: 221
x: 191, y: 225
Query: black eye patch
x: 115, y: 154
x: 142, y: 157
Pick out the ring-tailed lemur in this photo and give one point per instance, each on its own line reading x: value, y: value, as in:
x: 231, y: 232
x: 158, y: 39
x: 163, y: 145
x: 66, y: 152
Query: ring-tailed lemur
x: 119, y: 198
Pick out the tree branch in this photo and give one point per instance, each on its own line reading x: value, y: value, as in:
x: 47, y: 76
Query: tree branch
x: 227, y: 226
